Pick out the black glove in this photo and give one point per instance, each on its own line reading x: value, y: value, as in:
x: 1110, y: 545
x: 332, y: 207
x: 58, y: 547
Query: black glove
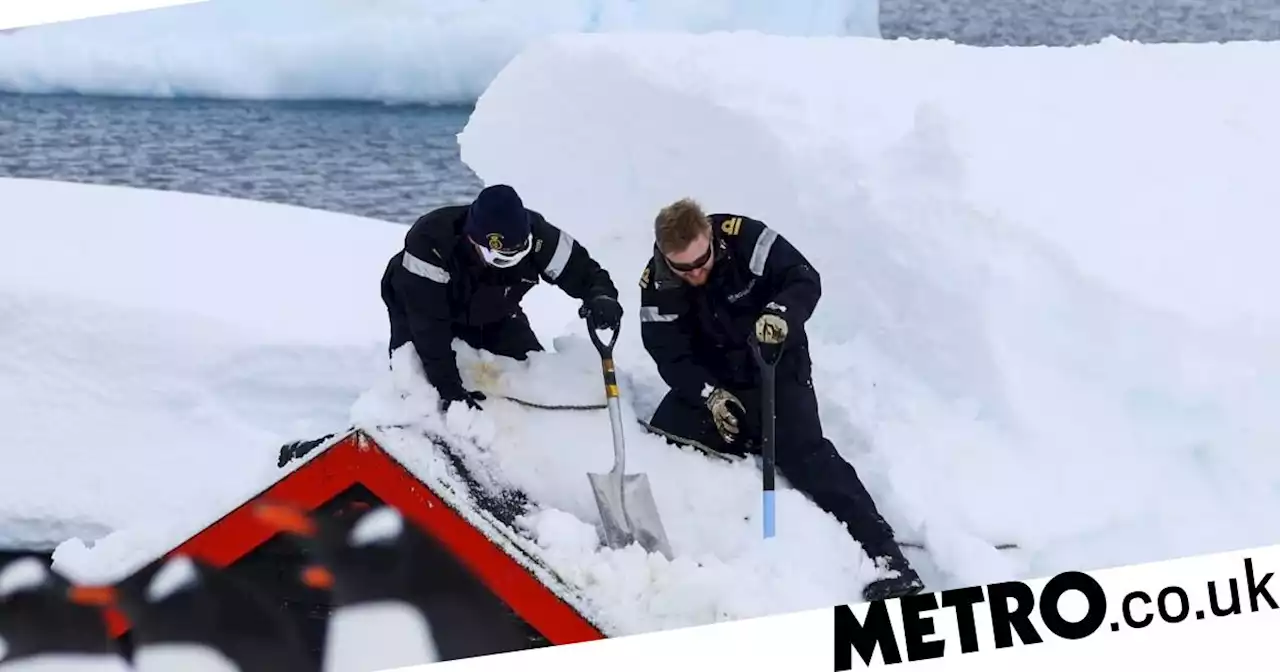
x: 472, y: 399
x: 605, y: 311
x: 771, y: 327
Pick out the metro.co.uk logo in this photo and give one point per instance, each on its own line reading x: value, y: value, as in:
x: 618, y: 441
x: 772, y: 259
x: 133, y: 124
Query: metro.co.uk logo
x: 1071, y: 606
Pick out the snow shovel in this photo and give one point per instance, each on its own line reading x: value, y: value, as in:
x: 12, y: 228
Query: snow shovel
x: 767, y: 415
x: 627, y: 509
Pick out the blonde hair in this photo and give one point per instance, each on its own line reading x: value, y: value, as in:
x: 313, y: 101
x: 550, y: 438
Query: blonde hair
x: 679, y: 224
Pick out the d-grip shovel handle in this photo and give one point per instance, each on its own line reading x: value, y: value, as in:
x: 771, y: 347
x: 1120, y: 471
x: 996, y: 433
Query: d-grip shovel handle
x: 610, y: 375
x: 610, y: 392
x: 758, y: 350
x: 605, y: 350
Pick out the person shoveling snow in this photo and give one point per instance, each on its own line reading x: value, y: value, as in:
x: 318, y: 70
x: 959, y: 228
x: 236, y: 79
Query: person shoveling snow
x: 463, y: 273
x: 712, y: 282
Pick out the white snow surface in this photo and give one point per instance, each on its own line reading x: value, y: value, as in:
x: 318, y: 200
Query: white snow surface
x: 982, y: 354
x: 432, y: 51
x: 1046, y: 320
x: 160, y: 347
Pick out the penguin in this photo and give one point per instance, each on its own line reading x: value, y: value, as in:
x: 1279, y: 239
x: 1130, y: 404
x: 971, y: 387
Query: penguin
x: 367, y: 563
x: 191, y: 616
x: 48, y: 623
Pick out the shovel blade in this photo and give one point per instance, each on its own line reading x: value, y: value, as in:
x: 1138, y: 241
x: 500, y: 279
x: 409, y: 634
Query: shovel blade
x: 628, y: 513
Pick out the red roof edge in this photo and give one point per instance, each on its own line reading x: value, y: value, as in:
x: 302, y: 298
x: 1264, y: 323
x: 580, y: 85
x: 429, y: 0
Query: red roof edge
x: 357, y: 459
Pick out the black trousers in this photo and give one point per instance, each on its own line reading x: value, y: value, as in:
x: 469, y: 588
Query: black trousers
x: 509, y: 337
x: 803, y: 455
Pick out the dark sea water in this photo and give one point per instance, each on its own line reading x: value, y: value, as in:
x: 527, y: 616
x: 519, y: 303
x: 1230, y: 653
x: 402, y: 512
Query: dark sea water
x: 1068, y: 22
x: 396, y: 162
x: 375, y: 160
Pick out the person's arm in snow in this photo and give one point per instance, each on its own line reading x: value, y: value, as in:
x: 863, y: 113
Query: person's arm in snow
x: 424, y: 285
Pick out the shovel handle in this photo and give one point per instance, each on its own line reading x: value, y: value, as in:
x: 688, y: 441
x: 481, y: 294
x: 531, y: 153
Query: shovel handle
x: 757, y: 349
x: 767, y: 433
x: 605, y: 349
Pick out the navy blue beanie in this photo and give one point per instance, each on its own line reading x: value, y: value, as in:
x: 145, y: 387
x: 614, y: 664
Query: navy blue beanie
x: 497, y: 219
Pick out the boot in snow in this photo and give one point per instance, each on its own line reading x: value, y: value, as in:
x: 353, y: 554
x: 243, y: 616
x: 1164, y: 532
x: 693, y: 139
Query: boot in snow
x: 904, y: 581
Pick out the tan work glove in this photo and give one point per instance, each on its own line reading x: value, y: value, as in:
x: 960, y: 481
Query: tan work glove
x: 771, y: 326
x: 727, y: 412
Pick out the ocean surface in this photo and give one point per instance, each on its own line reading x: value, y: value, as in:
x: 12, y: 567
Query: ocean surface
x: 396, y: 162
x: 388, y: 162
x: 1068, y: 22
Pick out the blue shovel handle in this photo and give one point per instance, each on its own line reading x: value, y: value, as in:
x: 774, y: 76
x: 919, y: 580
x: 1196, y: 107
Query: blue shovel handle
x: 769, y: 513
x: 767, y: 437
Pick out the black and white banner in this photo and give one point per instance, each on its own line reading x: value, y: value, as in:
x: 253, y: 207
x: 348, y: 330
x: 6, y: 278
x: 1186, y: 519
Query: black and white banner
x: 1219, y: 611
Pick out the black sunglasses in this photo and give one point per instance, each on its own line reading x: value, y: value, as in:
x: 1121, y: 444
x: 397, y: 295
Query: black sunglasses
x: 696, y: 263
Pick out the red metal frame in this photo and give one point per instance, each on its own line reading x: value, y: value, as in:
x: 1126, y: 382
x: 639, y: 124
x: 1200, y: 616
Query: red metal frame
x: 357, y: 459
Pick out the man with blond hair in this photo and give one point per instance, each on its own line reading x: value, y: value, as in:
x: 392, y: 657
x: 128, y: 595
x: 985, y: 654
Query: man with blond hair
x: 711, y: 282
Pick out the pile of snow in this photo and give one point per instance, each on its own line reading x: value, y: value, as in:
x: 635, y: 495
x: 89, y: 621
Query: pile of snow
x: 431, y: 51
x: 710, y: 508
x: 1045, y: 320
x: 982, y: 357
x: 152, y: 336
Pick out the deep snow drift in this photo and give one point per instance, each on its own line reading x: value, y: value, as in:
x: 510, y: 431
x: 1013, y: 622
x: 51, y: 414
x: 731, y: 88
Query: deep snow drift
x: 1031, y: 259
x: 150, y: 336
x: 987, y: 389
x: 433, y: 51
